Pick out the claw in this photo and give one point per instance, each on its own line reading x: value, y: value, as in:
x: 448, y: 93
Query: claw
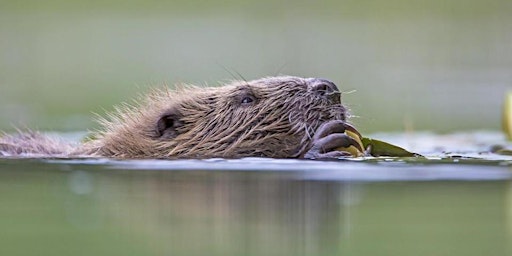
x: 351, y: 128
x: 336, y: 126
x: 335, y: 136
x: 355, y: 143
x: 336, y: 140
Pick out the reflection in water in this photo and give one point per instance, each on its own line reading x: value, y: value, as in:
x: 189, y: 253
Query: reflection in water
x: 87, y: 209
x: 232, y: 213
x: 81, y: 209
x: 270, y: 214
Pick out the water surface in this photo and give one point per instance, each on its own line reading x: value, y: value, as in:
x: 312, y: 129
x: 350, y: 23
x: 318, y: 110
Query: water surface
x: 451, y: 205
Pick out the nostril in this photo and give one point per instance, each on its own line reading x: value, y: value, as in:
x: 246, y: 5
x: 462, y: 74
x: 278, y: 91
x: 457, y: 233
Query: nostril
x: 323, y: 86
x: 321, y: 89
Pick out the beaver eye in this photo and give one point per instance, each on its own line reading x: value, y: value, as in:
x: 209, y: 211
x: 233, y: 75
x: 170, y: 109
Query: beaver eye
x: 247, y: 100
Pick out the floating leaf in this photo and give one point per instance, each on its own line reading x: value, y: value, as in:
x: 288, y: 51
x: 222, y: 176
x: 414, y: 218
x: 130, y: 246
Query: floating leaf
x: 381, y: 148
x: 354, y: 151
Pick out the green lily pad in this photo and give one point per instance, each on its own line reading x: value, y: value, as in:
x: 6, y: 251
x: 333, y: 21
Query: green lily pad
x: 381, y: 148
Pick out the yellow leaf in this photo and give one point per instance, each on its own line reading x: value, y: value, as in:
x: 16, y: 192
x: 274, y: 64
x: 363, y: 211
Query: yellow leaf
x: 354, y: 151
x: 507, y: 116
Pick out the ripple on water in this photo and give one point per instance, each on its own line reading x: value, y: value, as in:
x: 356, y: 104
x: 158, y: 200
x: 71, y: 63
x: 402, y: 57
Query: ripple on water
x: 458, y: 156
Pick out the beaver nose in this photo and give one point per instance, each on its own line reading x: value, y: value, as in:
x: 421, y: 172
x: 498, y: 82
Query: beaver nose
x: 323, y: 86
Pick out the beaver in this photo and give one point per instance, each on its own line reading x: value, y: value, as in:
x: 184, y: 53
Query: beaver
x: 277, y: 117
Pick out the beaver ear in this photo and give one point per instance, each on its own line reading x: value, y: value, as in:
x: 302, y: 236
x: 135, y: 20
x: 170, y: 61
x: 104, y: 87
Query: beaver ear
x: 166, y: 126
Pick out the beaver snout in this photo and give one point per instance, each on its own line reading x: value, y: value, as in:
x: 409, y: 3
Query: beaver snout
x: 325, y: 88
x: 322, y: 86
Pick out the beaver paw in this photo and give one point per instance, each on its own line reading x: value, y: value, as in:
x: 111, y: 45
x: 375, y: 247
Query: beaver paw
x: 329, y: 138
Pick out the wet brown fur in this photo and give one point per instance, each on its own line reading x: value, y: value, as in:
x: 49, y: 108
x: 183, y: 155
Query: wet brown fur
x: 195, y: 122
x: 34, y: 144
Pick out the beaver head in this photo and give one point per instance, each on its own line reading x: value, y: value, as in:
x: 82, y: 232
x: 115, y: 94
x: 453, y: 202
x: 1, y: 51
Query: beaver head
x: 270, y: 117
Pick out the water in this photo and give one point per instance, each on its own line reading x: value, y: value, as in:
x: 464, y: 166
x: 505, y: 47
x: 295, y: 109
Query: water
x: 457, y: 205
x: 59, y: 208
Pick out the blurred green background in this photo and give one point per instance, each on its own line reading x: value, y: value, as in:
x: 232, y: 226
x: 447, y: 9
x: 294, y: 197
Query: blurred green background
x: 414, y: 65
